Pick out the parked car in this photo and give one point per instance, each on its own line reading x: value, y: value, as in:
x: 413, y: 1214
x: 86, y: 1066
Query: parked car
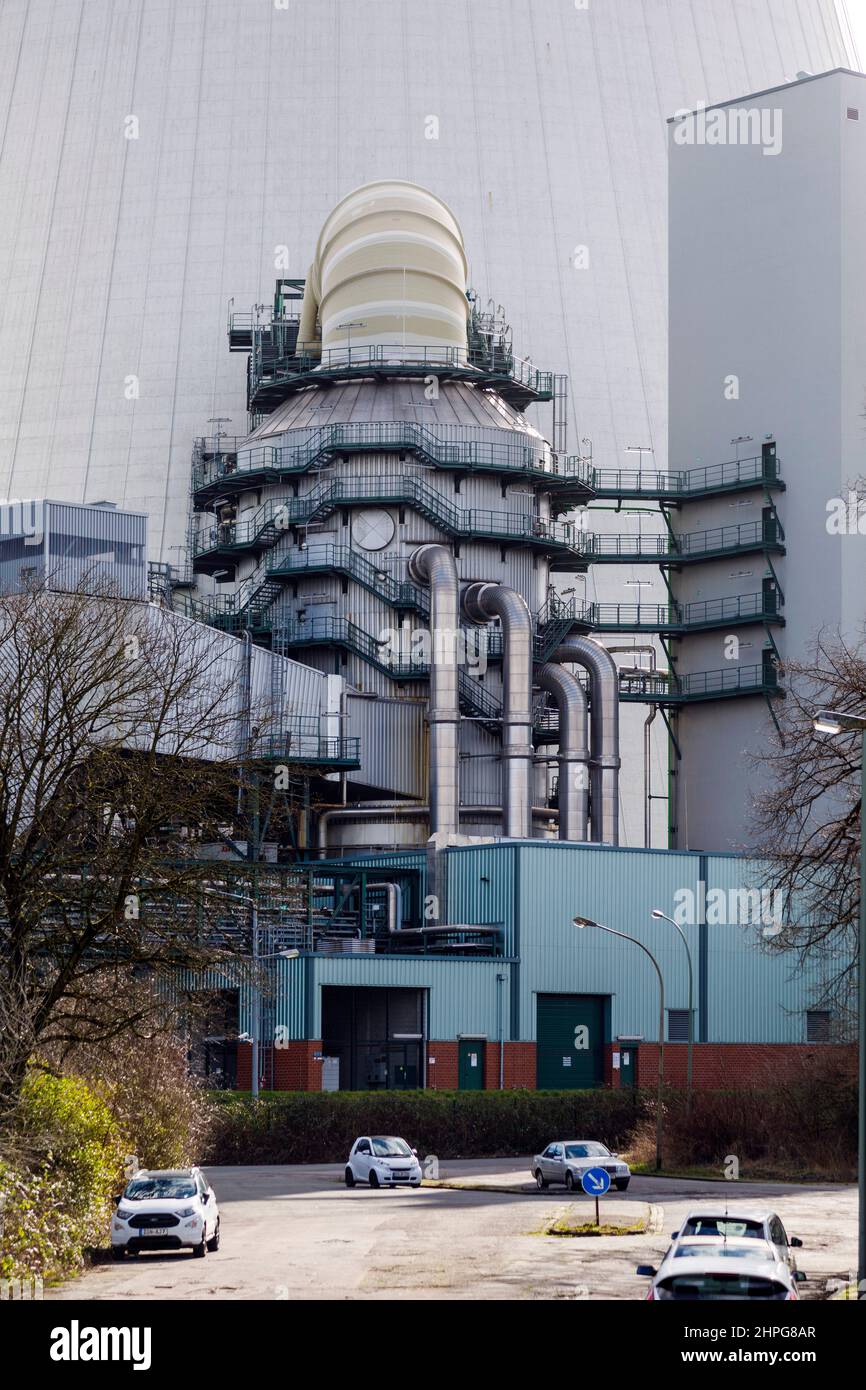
x: 713, y: 1268
x: 166, y: 1209
x: 383, y: 1161
x: 746, y: 1222
x: 566, y: 1160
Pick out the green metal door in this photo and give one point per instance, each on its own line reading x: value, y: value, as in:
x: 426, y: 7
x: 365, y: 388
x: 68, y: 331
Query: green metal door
x: 628, y: 1065
x: 470, y: 1064
x: 570, y: 1041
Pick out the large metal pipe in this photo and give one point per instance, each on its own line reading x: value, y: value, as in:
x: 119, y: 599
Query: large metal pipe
x: 570, y: 699
x: 481, y: 602
x: 434, y: 565
x: 604, y: 733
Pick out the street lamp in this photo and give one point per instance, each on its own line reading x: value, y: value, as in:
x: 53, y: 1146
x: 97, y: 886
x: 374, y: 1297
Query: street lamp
x: 663, y: 917
x: 828, y: 721
x: 588, y: 922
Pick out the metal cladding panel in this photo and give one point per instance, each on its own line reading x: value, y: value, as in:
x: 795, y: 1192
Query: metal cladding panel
x: 393, y: 740
x: 755, y: 992
x: 293, y: 689
x: 482, y: 883
x: 98, y: 543
x: 290, y: 998
x: 461, y: 993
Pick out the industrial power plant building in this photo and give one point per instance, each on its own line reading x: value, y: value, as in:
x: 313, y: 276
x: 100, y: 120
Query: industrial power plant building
x: 503, y: 655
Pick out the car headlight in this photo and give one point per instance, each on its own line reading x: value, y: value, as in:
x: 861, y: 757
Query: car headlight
x: 124, y: 1213
x: 188, y: 1211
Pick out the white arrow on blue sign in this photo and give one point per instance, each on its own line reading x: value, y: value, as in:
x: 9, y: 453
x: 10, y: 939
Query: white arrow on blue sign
x: 595, y: 1182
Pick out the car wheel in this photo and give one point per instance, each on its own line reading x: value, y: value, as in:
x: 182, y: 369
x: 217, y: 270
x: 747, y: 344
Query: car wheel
x: 569, y: 1181
x: 622, y: 1184
x: 540, y: 1181
x: 214, y: 1242
x: 200, y: 1250
x: 374, y: 1178
x: 350, y: 1178
x: 118, y: 1252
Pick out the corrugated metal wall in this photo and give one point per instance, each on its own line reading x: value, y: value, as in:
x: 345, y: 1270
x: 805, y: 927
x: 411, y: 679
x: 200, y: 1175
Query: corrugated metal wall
x: 461, y: 998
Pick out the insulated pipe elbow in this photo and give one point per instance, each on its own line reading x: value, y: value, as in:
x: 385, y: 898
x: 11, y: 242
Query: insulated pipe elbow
x: 571, y: 703
x: 481, y: 602
x: 434, y: 565
x: 604, y: 733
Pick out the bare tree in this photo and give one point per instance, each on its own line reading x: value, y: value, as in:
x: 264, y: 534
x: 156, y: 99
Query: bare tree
x: 808, y: 821
x: 122, y: 728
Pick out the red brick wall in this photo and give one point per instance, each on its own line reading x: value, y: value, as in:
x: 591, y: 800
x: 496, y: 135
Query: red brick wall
x: 442, y: 1075
x: 723, y: 1065
x: 293, y: 1067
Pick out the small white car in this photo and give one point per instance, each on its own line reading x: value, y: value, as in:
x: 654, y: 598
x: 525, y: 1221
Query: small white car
x: 166, y: 1209
x: 750, y: 1223
x: 713, y: 1268
x: 383, y: 1161
x: 566, y: 1160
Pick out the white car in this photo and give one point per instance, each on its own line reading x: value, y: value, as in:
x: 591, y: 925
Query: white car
x: 166, y: 1209
x: 713, y: 1268
x: 751, y: 1223
x: 383, y: 1161
x: 566, y: 1160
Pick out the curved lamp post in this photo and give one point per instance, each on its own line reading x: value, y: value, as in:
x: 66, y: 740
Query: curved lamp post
x: 588, y: 922
x: 828, y: 721
x: 663, y: 917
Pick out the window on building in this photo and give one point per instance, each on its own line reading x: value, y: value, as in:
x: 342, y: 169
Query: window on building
x: 853, y: 113
x: 818, y: 1025
x: 678, y: 1025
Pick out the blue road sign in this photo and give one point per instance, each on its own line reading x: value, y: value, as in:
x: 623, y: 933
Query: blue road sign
x: 595, y: 1182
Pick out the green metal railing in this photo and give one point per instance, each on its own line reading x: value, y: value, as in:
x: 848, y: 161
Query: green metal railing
x: 301, y: 741
x: 686, y: 548
x: 731, y: 476
x: 678, y: 617
x: 276, y: 515
x: 324, y: 559
x: 267, y: 379
x: 445, y: 447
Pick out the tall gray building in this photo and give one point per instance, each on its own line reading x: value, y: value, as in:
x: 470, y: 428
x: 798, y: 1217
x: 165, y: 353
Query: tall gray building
x: 768, y: 374
x: 158, y: 158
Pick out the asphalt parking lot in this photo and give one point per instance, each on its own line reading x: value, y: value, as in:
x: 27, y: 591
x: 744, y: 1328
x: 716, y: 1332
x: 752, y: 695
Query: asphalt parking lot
x: 298, y: 1233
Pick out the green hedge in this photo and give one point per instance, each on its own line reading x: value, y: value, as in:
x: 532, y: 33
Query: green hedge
x: 320, y: 1127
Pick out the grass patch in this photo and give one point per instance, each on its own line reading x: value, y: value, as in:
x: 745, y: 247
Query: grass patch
x: 564, y: 1226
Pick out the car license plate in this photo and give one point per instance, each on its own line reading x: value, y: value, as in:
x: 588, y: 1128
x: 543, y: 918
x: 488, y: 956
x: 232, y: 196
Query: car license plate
x: 153, y: 1230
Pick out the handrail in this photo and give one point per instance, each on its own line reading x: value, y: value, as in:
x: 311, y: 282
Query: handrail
x: 460, y: 450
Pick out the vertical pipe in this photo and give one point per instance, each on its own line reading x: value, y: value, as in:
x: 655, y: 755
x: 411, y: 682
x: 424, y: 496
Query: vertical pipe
x: 481, y: 602
x: 435, y: 565
x: 573, y: 749
x: 604, y: 733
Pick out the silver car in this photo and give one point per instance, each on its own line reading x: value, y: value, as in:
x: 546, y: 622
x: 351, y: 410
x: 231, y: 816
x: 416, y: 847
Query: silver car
x: 566, y: 1160
x: 749, y: 1223
x: 713, y: 1269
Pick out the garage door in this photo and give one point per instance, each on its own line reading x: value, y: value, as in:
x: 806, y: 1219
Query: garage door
x: 570, y: 1041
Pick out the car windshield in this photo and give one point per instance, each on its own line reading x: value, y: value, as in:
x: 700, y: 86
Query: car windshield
x: 159, y: 1189
x: 719, y: 1286
x: 725, y: 1252
x: 391, y: 1148
x: 722, y: 1226
x: 586, y: 1151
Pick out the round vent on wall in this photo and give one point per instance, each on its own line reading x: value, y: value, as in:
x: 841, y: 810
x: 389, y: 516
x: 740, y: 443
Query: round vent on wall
x: 373, y: 530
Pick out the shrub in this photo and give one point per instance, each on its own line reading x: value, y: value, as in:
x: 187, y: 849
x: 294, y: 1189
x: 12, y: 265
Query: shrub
x: 320, y: 1127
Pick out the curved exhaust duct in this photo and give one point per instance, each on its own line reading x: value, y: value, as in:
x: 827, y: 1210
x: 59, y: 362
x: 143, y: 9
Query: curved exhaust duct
x: 389, y: 272
x: 604, y: 733
x: 570, y: 698
x: 481, y: 602
x: 434, y: 565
